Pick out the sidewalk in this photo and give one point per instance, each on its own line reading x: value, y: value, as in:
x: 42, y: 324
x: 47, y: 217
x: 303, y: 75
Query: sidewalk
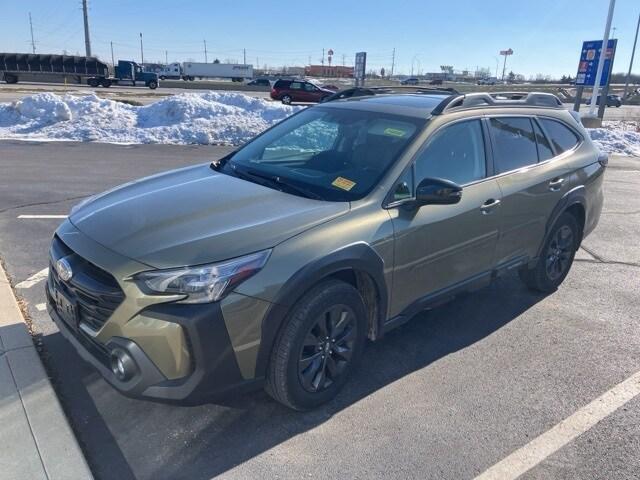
x: 36, y: 442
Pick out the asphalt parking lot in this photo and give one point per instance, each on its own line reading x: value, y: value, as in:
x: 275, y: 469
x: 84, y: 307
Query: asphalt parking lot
x: 446, y: 396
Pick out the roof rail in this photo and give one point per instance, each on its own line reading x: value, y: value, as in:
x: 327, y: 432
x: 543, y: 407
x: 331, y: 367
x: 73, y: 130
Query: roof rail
x: 412, y: 89
x: 497, y: 99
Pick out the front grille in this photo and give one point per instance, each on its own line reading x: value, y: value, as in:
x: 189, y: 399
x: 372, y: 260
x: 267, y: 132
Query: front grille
x: 97, y: 293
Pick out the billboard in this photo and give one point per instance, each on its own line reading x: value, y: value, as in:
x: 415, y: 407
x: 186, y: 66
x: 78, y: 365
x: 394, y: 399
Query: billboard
x: 588, y: 65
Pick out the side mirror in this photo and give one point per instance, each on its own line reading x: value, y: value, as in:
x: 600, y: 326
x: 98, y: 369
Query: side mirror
x: 436, y: 191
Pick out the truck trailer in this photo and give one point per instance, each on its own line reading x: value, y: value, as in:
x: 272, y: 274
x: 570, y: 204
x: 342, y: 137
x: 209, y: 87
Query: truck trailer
x: 13, y: 66
x: 193, y: 70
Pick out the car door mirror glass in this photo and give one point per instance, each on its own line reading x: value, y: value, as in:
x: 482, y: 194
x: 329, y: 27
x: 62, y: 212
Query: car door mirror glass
x: 437, y: 191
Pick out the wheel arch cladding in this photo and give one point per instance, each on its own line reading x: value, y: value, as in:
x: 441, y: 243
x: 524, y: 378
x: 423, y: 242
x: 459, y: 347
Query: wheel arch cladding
x: 573, y: 202
x: 358, y: 265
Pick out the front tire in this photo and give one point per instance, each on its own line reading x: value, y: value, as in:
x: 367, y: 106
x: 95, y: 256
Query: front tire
x: 318, y: 347
x: 556, y: 257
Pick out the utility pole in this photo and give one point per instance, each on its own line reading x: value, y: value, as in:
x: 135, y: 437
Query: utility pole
x: 633, y: 52
x: 166, y: 57
x: 141, y: 51
x: 113, y: 60
x: 206, y: 60
x: 87, y: 40
x: 344, y: 60
x: 33, y: 43
x: 603, y: 55
x: 244, y: 56
x: 323, y: 57
x: 393, y: 61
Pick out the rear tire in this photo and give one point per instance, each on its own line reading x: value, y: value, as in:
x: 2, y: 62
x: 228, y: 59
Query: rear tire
x: 10, y: 79
x: 153, y: 85
x: 286, y: 99
x: 318, y: 346
x: 93, y: 82
x: 555, y: 258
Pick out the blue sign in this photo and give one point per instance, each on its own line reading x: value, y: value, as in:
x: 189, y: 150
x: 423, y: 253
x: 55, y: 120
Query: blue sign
x: 588, y: 66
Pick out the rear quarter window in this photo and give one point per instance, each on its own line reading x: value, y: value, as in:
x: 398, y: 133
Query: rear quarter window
x: 282, y: 84
x: 514, y: 143
x: 561, y: 136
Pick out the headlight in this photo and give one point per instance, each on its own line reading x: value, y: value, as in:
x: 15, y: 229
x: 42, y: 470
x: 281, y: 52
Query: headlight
x: 204, y: 283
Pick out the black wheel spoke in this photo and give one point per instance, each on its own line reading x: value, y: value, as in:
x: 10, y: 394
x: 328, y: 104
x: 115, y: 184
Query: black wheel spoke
x: 309, y: 374
x: 307, y: 361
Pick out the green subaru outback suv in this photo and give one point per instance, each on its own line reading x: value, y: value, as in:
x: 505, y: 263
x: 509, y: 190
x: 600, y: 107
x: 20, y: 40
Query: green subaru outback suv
x: 272, y: 266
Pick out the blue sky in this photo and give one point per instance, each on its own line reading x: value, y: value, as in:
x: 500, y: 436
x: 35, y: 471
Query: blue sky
x: 545, y: 35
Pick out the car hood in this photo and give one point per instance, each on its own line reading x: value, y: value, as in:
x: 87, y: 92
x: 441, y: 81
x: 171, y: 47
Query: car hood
x: 195, y: 215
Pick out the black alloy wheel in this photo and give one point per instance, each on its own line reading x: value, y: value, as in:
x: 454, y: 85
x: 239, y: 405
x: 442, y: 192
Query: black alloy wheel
x: 560, y: 252
x: 328, y: 348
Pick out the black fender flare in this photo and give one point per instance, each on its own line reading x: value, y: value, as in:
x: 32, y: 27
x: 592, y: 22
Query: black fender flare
x: 359, y: 257
x: 572, y: 197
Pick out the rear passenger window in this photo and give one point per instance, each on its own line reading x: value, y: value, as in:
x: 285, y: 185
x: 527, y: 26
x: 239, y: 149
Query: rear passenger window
x: 514, y: 143
x: 545, y: 152
x: 296, y: 86
x: 454, y: 153
x: 562, y: 137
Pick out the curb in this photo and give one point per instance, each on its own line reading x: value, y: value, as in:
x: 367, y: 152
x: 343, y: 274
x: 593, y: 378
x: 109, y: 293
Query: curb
x: 36, y: 441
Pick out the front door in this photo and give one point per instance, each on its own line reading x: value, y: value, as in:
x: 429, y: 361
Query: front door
x: 438, y: 247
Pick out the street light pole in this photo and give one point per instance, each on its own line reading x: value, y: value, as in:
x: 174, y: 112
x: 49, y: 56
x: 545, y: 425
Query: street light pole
x: 141, y: 51
x: 633, y: 52
x: 603, y: 55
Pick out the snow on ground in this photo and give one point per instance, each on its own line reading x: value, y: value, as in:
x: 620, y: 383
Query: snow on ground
x: 620, y: 138
x: 190, y: 118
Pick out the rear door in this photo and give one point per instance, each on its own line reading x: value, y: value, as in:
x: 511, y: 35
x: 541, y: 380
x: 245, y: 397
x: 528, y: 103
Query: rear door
x: 440, y: 246
x: 531, y: 181
x: 296, y: 91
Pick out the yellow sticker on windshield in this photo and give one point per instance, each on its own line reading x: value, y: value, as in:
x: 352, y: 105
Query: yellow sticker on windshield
x: 343, y: 183
x: 394, y: 132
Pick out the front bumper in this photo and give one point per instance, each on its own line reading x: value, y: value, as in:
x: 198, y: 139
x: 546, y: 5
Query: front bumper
x: 215, y: 372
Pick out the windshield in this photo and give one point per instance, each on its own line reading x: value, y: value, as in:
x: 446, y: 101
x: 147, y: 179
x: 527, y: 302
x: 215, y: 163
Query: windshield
x: 332, y: 154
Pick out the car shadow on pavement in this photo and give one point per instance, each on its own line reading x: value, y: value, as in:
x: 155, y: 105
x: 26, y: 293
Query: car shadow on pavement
x: 127, y: 438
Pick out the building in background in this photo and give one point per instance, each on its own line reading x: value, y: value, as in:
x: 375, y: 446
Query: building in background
x: 337, y: 71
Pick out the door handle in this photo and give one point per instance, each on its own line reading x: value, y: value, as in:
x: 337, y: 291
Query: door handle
x: 488, y: 206
x: 556, y: 184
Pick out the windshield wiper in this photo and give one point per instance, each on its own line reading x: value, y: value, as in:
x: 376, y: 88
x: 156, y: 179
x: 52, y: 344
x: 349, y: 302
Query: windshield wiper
x: 279, y: 181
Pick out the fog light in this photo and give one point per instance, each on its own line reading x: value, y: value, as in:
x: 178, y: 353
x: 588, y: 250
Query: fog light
x: 122, y: 365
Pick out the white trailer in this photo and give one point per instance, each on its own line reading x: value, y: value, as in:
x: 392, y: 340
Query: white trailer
x: 193, y: 70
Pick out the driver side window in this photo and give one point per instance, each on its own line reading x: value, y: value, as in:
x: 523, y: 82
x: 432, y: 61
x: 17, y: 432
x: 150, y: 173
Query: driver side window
x: 454, y: 153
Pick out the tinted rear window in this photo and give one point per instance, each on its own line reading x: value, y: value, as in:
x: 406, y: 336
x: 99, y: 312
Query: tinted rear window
x: 562, y: 137
x: 282, y: 84
x: 514, y: 144
x: 545, y: 151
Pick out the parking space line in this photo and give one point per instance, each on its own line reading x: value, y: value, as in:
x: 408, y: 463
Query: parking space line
x: 31, y: 217
x: 33, y: 279
x: 564, y: 432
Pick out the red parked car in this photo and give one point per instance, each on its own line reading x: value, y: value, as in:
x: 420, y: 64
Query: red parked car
x: 288, y: 91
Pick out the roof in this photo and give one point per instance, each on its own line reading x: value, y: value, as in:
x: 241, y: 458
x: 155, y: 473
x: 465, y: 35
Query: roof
x: 417, y: 105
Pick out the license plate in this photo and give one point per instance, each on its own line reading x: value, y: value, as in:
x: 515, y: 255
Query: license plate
x: 67, y: 309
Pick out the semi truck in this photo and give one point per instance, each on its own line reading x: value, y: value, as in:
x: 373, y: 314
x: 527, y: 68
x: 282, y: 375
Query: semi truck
x: 14, y: 66
x: 193, y: 70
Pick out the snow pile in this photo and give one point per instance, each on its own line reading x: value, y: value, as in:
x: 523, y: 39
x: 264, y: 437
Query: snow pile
x: 188, y: 118
x: 618, y: 138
